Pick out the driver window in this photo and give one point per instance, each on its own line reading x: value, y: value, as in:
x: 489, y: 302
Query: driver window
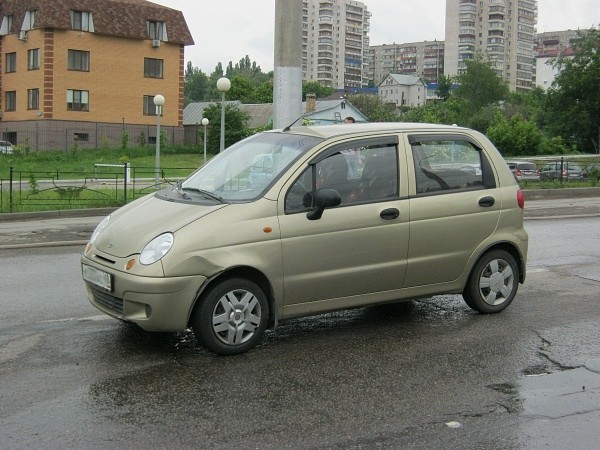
x: 359, y: 175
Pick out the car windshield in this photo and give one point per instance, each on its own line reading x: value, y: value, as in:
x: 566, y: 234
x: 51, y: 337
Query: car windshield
x: 245, y: 170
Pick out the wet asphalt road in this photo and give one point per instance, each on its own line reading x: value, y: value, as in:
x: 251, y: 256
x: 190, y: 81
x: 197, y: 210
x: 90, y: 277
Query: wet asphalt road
x: 427, y: 374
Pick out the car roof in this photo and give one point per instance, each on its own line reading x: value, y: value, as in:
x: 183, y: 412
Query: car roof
x: 329, y: 131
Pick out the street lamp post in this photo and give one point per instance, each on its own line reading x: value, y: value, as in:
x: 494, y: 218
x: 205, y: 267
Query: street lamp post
x: 204, y: 124
x: 223, y: 85
x: 159, y: 101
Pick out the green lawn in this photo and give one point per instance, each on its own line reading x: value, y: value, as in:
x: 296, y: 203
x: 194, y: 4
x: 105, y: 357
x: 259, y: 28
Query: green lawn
x: 83, y: 160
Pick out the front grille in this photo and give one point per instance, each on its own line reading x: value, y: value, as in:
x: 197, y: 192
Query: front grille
x: 108, y: 301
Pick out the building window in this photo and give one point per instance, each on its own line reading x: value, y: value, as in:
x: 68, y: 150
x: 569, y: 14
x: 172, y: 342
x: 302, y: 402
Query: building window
x: 79, y: 60
x: 149, y: 106
x: 77, y: 100
x: 33, y: 99
x: 11, y: 62
x: 153, y: 68
x: 11, y: 101
x: 33, y: 59
x: 157, y: 30
x: 6, y: 26
x: 82, y: 20
x: 29, y: 21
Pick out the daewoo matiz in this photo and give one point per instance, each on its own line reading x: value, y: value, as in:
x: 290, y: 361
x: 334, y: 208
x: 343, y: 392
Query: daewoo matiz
x: 307, y: 220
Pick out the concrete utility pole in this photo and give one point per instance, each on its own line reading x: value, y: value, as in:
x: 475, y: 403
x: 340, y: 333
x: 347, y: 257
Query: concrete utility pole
x: 287, y: 85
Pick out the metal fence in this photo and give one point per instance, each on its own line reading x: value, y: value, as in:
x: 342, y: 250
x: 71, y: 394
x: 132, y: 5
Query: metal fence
x: 108, y: 185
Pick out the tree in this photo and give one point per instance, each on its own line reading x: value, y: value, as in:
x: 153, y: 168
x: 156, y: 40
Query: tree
x: 235, y: 126
x: 242, y: 89
x: 573, y: 102
x: 515, y: 136
x: 195, y: 82
x: 312, y: 87
x: 479, y: 85
x: 373, y: 108
x: 444, y: 88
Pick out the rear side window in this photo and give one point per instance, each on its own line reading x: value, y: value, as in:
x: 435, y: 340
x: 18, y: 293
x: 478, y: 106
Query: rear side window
x: 447, y: 165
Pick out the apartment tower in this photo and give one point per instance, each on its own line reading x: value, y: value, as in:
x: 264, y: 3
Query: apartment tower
x: 335, y: 47
x: 502, y: 30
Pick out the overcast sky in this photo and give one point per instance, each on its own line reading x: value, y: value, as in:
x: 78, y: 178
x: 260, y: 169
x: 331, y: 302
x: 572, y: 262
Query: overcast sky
x: 228, y: 30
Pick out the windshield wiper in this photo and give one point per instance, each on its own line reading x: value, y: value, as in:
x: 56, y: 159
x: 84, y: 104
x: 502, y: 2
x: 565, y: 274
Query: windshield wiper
x: 205, y: 193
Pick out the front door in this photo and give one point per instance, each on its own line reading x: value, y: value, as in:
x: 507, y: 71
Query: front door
x: 354, y: 253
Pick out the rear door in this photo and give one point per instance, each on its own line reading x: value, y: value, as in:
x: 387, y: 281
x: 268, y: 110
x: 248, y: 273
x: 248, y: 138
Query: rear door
x: 452, y: 210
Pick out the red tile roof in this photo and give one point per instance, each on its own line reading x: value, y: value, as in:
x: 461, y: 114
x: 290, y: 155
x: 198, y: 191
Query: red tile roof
x: 124, y: 18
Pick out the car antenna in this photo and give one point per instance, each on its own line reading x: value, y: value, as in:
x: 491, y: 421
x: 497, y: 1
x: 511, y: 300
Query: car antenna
x: 290, y: 125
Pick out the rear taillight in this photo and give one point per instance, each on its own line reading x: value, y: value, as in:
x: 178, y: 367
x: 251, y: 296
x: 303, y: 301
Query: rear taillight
x: 518, y: 173
x: 520, y: 199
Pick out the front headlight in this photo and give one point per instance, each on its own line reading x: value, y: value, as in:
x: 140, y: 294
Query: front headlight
x: 156, y: 249
x: 101, y: 226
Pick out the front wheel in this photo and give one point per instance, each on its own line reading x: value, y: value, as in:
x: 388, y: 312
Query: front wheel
x: 493, y: 282
x: 231, y: 317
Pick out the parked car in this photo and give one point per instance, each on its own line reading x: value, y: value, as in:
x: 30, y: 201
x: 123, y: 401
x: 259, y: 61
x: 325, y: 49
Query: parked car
x: 552, y: 171
x: 6, y: 147
x: 275, y: 227
x: 591, y: 171
x: 524, y: 170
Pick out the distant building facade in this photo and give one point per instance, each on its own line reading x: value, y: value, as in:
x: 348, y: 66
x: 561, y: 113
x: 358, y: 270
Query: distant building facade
x: 403, y: 90
x: 81, y: 72
x: 503, y: 30
x: 335, y: 49
x: 421, y: 59
x: 549, y: 45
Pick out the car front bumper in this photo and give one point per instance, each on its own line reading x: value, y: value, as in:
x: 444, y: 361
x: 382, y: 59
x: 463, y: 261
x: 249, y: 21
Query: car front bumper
x: 153, y: 303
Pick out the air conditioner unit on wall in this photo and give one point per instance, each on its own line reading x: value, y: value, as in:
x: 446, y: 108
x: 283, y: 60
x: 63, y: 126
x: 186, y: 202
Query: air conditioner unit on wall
x: 155, y: 43
x: 22, y: 35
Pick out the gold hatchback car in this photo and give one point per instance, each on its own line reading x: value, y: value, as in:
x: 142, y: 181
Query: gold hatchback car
x: 307, y: 220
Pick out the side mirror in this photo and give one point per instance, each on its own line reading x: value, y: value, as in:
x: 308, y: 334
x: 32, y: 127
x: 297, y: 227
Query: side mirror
x: 324, y: 198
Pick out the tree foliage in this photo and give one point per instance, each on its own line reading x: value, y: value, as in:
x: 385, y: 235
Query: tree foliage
x: 235, y: 126
x: 373, y: 108
x: 479, y: 85
x: 573, y: 101
x: 515, y: 136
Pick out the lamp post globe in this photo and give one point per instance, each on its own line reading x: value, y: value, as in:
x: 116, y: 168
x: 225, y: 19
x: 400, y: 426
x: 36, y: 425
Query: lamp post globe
x: 223, y: 85
x: 159, y: 101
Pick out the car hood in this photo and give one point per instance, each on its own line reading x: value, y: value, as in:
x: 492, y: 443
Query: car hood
x: 133, y: 226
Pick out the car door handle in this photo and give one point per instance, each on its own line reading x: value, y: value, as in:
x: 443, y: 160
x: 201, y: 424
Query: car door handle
x: 389, y: 214
x: 486, y: 202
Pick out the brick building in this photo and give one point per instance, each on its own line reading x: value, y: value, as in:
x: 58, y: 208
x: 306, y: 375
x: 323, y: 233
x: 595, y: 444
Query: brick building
x: 80, y: 72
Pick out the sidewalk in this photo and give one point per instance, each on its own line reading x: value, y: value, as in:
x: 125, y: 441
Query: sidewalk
x: 62, y: 228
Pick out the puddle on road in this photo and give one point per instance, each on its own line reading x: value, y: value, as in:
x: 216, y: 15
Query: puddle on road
x: 560, y: 394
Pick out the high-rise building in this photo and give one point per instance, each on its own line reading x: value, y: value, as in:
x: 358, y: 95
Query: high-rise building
x: 502, y: 30
x: 422, y: 59
x: 335, y: 44
x: 549, y: 45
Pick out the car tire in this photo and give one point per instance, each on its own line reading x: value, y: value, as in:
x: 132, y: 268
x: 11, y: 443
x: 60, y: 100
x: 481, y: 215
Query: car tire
x: 493, y: 282
x: 231, y: 317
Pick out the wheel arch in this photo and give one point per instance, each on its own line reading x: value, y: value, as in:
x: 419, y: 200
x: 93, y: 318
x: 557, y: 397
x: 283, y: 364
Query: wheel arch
x: 249, y: 273
x: 510, y: 248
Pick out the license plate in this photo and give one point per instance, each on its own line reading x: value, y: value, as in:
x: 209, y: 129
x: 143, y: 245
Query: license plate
x: 97, y: 277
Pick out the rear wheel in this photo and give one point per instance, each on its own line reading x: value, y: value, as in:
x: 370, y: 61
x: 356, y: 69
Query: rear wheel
x: 493, y: 282
x: 231, y: 317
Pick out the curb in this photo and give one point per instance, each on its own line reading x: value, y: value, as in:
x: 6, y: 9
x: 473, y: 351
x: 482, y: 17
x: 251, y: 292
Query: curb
x: 44, y: 244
